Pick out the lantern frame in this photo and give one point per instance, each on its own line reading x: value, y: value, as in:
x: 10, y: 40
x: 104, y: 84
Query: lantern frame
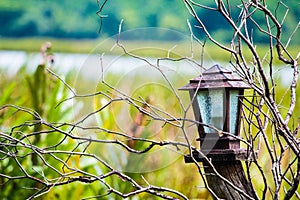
x: 225, y: 146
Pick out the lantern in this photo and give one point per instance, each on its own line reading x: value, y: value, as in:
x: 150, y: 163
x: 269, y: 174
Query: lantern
x: 216, y: 100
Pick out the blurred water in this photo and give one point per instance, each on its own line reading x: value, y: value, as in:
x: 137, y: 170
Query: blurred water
x: 90, y: 65
x: 12, y: 61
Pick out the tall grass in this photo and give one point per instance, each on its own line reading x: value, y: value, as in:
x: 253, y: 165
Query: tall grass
x: 42, y: 92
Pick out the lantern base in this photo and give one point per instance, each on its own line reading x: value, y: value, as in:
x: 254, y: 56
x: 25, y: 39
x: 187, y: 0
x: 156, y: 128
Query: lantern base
x: 221, y: 155
x: 217, y: 142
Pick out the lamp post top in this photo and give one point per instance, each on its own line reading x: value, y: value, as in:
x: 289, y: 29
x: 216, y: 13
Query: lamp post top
x: 216, y: 77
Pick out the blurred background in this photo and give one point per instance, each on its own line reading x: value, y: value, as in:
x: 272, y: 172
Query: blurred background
x: 77, y: 19
x: 78, y: 37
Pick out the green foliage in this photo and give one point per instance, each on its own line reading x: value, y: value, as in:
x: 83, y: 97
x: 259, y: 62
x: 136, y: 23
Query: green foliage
x: 41, y: 93
x: 72, y: 19
x: 75, y: 19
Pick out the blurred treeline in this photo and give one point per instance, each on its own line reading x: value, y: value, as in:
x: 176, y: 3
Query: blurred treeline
x: 78, y: 19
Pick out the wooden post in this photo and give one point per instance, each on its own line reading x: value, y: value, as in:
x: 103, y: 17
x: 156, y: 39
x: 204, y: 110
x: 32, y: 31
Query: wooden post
x: 227, y: 162
x: 234, y: 173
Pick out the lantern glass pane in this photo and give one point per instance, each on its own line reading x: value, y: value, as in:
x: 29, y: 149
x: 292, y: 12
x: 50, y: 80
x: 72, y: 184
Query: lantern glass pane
x: 211, y: 105
x: 234, y: 101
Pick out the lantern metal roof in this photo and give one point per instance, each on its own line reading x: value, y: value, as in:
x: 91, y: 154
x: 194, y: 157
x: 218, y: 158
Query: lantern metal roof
x: 216, y: 77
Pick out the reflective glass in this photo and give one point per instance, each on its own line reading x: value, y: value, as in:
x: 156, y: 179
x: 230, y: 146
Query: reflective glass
x: 234, y: 100
x: 211, y: 104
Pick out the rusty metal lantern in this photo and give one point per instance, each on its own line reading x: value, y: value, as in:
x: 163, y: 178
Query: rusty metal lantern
x: 216, y: 100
